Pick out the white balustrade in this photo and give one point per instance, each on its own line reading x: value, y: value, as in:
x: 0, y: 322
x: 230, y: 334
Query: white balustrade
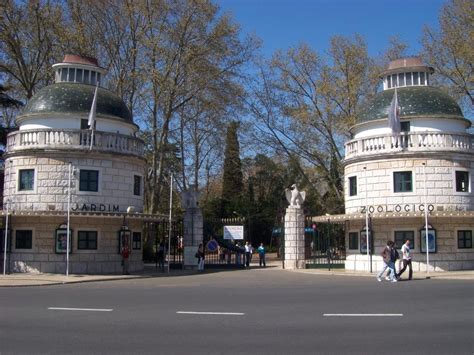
x: 74, y: 139
x: 409, y: 142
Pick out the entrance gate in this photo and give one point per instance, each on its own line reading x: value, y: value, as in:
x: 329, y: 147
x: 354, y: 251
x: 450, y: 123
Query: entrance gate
x: 221, y: 253
x: 325, y: 246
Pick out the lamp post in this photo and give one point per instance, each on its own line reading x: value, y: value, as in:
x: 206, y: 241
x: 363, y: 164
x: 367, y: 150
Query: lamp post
x: 5, y: 237
x: 369, y: 263
x: 68, y: 218
x: 170, y: 219
x: 426, y: 225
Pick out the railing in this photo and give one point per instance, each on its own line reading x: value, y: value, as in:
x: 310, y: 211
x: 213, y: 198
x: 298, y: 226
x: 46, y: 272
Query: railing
x: 73, y: 139
x: 410, y: 142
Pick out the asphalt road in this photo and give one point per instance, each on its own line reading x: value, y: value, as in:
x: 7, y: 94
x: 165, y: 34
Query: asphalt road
x: 275, y: 312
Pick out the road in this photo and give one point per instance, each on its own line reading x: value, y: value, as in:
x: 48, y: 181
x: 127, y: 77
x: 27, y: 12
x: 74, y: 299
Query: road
x: 273, y: 312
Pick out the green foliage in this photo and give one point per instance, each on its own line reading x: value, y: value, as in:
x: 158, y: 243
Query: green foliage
x: 232, y: 183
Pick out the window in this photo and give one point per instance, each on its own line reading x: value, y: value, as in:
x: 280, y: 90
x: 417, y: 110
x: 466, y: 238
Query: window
x: 98, y: 78
x: 462, y: 181
x: 24, y: 239
x: 137, y: 185
x: 64, y: 74
x: 72, y: 75
x: 84, y: 123
x: 394, y: 80
x: 402, y: 181
x: 86, y: 76
x: 401, y: 79
x: 86, y: 240
x: 354, y: 240
x: 405, y: 126
x: 415, y: 79
x: 93, y: 77
x: 402, y: 236
x: 89, y: 180
x: 137, y: 241
x: 408, y: 75
x: 353, y: 186
x: 422, y: 78
x: 79, y: 75
x: 27, y: 180
x: 464, y: 239
x: 389, y: 82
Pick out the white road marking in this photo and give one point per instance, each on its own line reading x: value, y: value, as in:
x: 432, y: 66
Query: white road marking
x: 213, y: 313
x: 81, y: 309
x: 363, y: 314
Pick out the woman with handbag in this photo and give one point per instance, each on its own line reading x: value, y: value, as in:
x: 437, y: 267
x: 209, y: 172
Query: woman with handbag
x: 200, y: 255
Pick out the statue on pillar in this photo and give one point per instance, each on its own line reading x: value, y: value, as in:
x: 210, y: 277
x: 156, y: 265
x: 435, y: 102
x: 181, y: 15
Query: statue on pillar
x: 190, y: 198
x: 294, y: 197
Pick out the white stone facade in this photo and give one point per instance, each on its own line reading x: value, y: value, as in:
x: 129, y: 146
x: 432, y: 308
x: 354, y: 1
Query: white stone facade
x: 51, y: 178
x: 375, y: 185
x: 106, y: 185
x: 294, y: 239
x: 42, y: 258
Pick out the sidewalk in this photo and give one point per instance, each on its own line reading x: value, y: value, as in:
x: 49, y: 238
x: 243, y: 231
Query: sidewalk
x: 446, y: 275
x: 24, y: 279
x: 37, y: 279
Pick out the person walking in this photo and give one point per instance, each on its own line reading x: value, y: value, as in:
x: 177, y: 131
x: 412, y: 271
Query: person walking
x: 388, y: 255
x: 125, y: 259
x: 201, y: 256
x: 161, y: 256
x: 247, y: 254
x: 261, y: 255
x: 406, y: 259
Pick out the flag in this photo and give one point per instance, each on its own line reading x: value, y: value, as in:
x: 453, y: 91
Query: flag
x: 91, y: 120
x: 394, y: 115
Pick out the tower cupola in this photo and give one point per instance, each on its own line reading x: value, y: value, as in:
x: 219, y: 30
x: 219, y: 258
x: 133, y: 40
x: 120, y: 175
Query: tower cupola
x: 78, y: 69
x: 406, y: 72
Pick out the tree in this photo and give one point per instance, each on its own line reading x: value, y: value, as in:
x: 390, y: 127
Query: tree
x: 28, y: 43
x: 304, y: 105
x: 232, y: 182
x: 450, y: 50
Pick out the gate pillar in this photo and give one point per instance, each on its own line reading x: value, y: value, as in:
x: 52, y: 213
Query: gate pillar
x: 192, y: 227
x: 294, y: 239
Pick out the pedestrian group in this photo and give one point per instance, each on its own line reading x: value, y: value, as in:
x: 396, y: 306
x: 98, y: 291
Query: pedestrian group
x: 390, y: 255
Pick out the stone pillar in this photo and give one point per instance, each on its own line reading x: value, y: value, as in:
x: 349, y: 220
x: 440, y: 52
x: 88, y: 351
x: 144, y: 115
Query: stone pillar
x: 192, y: 227
x: 294, y: 238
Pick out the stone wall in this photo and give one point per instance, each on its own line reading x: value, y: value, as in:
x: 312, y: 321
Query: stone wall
x: 447, y: 258
x: 116, y: 181
x: 43, y: 258
x: 440, y: 184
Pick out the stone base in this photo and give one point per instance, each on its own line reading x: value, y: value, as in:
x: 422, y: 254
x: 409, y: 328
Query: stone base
x: 189, y: 257
x: 294, y: 264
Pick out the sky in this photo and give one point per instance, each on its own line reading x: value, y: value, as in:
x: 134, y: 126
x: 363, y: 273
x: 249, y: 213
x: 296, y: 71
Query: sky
x: 285, y: 23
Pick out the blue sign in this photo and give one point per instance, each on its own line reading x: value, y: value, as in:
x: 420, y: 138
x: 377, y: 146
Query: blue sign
x: 212, y: 245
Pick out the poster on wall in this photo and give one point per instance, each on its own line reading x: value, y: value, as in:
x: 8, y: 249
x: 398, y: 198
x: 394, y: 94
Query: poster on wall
x: 61, y: 241
x: 431, y: 240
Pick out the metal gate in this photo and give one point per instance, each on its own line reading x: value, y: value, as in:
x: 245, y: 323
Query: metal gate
x: 325, y: 246
x: 220, y: 253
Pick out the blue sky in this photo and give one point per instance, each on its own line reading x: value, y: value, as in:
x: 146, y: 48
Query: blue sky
x: 284, y: 23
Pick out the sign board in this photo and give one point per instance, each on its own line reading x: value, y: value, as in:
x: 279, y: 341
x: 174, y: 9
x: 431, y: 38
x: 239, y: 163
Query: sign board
x: 212, y: 246
x: 189, y: 254
x: 233, y: 232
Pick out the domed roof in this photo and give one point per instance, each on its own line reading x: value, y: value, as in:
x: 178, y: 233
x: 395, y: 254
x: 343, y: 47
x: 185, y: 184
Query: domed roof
x: 77, y: 98
x: 413, y: 101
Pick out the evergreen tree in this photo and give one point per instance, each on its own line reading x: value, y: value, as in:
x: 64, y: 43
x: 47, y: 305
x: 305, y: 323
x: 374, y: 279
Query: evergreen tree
x: 232, y: 184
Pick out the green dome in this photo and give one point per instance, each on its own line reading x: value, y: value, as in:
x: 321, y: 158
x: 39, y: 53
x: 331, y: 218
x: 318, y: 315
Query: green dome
x: 413, y: 101
x: 77, y: 98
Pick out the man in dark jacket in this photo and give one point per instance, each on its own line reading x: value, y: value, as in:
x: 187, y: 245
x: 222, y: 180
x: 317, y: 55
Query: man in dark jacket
x: 389, y: 257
